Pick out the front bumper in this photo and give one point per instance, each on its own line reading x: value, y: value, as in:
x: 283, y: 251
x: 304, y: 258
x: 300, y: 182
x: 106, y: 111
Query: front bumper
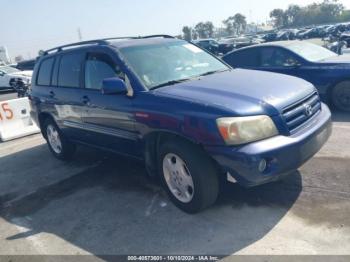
x: 284, y: 154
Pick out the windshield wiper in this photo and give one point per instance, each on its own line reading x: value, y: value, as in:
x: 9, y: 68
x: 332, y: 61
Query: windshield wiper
x: 172, y: 82
x: 214, y: 72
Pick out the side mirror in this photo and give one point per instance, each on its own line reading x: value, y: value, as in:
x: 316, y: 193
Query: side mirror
x: 2, y: 73
x: 113, y: 85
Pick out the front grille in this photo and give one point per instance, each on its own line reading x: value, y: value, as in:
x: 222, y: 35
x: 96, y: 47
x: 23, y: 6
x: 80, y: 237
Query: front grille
x: 298, y: 114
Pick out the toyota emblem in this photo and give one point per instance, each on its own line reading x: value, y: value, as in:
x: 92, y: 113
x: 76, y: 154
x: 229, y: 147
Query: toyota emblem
x: 308, y: 110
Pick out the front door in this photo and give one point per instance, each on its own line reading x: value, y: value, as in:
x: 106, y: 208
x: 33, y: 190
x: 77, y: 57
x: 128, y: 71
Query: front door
x: 108, y: 119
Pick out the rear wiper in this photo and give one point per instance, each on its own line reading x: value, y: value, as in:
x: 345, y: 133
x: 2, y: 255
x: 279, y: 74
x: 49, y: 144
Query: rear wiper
x: 172, y: 82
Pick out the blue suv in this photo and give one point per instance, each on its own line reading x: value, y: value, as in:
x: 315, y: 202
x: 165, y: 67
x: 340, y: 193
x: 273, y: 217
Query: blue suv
x: 190, y: 117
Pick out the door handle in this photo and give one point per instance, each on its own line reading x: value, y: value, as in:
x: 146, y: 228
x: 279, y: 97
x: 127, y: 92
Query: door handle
x: 52, y: 94
x: 85, y: 100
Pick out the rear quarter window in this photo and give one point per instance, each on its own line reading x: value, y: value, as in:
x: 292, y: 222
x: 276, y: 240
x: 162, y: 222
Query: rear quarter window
x: 45, y: 70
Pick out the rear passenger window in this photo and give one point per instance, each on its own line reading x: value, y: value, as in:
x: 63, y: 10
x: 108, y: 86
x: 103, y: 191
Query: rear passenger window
x: 44, y: 75
x: 69, y: 70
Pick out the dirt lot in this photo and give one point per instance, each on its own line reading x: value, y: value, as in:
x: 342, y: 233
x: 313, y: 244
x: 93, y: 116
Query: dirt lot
x: 103, y: 204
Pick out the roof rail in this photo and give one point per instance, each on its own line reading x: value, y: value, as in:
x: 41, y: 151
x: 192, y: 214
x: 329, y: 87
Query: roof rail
x: 98, y: 42
x: 138, y: 37
x: 60, y: 48
x: 119, y: 38
x: 154, y: 36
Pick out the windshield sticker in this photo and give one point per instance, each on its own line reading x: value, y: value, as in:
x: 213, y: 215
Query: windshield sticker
x: 193, y: 48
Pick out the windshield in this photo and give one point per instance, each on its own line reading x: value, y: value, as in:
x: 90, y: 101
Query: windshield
x: 168, y: 62
x: 8, y: 69
x: 311, y: 52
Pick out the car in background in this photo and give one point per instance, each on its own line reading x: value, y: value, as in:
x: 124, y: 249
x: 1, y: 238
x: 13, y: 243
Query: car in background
x: 210, y: 45
x: 243, y: 41
x: 327, y: 71
x: 270, y: 37
x: 309, y: 33
x: 193, y: 120
x: 8, y: 74
x: 345, y: 37
x: 289, y: 34
x: 27, y: 65
x: 226, y: 45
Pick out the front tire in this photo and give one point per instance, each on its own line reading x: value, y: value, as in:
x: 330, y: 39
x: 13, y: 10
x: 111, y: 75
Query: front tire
x: 188, y: 176
x: 341, y: 96
x: 59, y: 146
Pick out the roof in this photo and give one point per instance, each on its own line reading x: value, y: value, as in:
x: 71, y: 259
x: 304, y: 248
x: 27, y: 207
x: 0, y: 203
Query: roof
x: 281, y: 43
x: 284, y: 44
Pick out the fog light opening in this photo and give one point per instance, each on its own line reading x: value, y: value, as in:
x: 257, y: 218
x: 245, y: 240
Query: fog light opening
x: 262, y: 165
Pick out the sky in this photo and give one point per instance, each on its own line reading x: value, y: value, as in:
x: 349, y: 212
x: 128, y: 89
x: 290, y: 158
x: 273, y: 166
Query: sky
x: 31, y: 25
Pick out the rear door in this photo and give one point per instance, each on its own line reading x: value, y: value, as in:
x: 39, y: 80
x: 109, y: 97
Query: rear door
x: 108, y: 119
x: 65, y: 93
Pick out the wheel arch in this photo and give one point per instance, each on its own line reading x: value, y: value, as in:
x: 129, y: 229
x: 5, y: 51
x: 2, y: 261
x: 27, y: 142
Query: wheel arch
x: 331, y: 88
x: 152, y: 143
x: 43, y: 116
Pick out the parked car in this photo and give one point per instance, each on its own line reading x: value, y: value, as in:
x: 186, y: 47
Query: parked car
x: 270, y: 37
x: 191, y: 118
x: 243, y: 41
x: 345, y: 37
x: 7, y: 73
x: 27, y: 65
x: 328, y: 71
x: 309, y: 33
x: 335, y: 44
x: 226, y: 45
x: 210, y: 45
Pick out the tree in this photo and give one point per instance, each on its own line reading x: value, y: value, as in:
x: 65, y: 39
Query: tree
x: 209, y: 28
x: 229, y: 25
x: 187, y: 33
x: 240, y: 22
x: 329, y: 11
x: 235, y: 24
x: 204, y: 30
x: 279, y: 17
x: 292, y: 14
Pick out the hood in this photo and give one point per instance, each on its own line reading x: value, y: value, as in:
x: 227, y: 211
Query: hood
x: 340, y: 59
x: 27, y: 74
x: 244, y: 92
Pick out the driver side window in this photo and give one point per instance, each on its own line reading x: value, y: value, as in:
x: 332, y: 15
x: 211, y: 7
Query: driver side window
x: 99, y: 67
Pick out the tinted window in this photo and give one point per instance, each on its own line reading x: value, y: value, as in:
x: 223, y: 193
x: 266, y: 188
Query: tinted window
x: 69, y: 71
x: 97, y: 68
x: 44, y: 75
x: 246, y: 58
x: 277, y: 57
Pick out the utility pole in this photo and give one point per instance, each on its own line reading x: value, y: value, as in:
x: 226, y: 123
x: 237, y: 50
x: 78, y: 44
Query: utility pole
x: 80, y: 37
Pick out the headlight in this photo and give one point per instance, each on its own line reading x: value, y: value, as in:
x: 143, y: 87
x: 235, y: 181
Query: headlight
x: 241, y: 130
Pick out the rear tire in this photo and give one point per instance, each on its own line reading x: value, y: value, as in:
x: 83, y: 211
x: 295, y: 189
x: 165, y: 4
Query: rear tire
x: 58, y: 144
x: 340, y: 96
x: 188, y: 175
